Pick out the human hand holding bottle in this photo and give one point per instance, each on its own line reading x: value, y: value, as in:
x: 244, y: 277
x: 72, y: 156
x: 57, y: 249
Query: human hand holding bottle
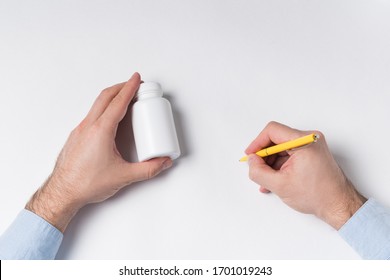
x: 307, y: 179
x: 89, y: 168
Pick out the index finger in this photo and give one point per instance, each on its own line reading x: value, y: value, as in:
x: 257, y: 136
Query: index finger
x: 273, y: 133
x: 117, y: 108
x: 101, y: 103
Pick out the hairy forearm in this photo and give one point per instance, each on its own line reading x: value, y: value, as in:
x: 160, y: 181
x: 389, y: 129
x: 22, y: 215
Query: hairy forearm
x: 344, y: 206
x: 55, y: 207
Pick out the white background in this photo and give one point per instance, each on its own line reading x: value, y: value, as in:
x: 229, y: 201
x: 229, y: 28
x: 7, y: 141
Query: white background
x: 281, y: 269
x: 228, y: 68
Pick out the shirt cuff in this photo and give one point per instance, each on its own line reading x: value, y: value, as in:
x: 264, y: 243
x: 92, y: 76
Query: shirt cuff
x: 30, y: 237
x: 368, y: 231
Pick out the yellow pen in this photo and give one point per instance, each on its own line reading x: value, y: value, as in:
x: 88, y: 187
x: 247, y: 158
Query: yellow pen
x: 299, y: 142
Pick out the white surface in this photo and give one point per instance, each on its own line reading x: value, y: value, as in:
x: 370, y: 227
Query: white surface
x: 228, y: 67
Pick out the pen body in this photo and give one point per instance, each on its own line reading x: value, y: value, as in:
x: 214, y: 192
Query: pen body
x: 299, y: 142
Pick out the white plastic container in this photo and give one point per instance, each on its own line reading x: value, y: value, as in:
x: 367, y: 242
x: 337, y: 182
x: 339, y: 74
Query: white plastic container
x: 153, y: 124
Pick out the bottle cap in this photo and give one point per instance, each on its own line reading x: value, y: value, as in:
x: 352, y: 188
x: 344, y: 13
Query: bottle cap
x: 149, y: 89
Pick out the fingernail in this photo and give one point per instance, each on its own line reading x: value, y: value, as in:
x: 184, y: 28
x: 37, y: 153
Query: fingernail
x: 166, y: 164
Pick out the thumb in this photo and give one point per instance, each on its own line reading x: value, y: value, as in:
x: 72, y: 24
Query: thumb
x: 261, y: 173
x: 141, y: 171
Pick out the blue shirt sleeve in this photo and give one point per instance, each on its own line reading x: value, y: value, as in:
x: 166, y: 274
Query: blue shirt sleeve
x: 30, y: 237
x: 368, y: 231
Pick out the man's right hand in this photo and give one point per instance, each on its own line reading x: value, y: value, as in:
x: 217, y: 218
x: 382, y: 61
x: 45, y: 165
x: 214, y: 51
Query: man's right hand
x: 307, y: 179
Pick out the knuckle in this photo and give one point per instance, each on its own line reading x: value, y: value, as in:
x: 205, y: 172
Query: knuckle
x: 82, y: 125
x: 106, y: 91
x: 77, y: 130
x: 272, y: 124
x: 152, y: 172
x: 96, y: 127
x: 253, y: 175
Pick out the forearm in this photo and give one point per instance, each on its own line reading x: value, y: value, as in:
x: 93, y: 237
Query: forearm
x: 343, y: 206
x: 50, y: 203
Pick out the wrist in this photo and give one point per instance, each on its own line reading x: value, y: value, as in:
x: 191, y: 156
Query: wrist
x: 51, y: 204
x: 342, y: 210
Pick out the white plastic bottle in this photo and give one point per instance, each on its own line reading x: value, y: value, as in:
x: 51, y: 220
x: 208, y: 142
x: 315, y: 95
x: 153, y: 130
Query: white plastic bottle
x: 153, y: 124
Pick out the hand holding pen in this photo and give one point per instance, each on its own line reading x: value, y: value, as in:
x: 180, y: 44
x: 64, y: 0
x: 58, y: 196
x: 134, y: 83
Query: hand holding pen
x: 307, y: 179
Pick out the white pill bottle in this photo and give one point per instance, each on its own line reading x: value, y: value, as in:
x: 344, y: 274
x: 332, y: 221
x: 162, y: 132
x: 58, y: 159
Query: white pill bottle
x: 153, y: 124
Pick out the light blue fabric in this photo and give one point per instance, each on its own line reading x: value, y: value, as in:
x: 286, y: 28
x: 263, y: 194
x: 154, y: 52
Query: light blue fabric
x: 368, y: 231
x: 30, y: 237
